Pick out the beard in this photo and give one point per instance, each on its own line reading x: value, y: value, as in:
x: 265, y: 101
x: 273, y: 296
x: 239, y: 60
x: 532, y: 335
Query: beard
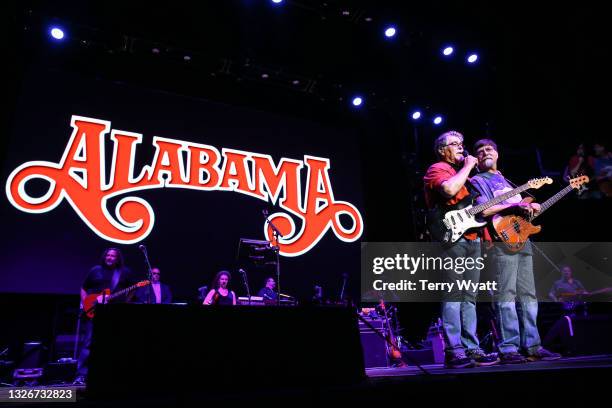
x: 487, y: 164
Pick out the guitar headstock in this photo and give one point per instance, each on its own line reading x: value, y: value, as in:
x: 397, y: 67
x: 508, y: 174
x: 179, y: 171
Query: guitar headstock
x: 143, y: 283
x: 576, y: 182
x: 539, y: 182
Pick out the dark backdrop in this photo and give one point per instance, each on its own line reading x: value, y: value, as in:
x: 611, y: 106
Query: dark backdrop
x: 196, y: 233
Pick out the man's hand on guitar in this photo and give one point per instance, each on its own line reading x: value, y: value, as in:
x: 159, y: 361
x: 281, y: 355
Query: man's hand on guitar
x: 528, y: 209
x: 535, y: 207
x: 101, y: 299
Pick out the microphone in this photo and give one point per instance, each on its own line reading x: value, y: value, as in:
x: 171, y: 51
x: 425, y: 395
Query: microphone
x: 242, y: 271
x: 265, y: 212
x: 465, y: 153
x: 142, y: 248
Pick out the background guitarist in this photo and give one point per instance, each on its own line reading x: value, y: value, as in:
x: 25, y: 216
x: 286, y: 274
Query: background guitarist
x: 445, y: 184
x: 110, y: 273
x: 513, y: 271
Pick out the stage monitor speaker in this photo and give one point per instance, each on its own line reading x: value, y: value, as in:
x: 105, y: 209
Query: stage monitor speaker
x: 165, y: 349
x: 33, y: 356
x: 64, y: 346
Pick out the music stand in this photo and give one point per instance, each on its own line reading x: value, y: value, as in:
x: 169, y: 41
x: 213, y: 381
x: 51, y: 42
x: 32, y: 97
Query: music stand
x: 257, y: 254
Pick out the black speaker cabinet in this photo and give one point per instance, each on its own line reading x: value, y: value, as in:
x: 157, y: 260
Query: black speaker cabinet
x: 589, y: 335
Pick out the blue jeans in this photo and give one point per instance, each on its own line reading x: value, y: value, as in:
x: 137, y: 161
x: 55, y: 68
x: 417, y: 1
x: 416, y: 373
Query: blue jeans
x: 459, y: 311
x: 514, y: 276
x: 84, y: 345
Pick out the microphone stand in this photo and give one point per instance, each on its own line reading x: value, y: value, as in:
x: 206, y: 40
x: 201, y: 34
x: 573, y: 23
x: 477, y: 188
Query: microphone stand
x: 149, y: 274
x: 276, y: 249
x: 245, y: 280
x: 344, y: 278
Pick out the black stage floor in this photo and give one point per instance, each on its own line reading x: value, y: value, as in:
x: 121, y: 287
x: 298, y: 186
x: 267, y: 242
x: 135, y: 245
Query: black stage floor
x: 572, y: 363
x: 576, y: 379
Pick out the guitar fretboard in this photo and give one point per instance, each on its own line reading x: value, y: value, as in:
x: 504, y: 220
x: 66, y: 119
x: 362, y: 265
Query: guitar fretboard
x: 480, y: 208
x: 126, y: 290
x: 548, y: 203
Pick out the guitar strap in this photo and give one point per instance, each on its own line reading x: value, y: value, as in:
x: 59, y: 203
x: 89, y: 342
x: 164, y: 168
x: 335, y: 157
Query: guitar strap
x: 515, y: 186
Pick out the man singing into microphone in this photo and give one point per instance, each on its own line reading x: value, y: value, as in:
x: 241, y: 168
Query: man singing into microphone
x: 445, y: 185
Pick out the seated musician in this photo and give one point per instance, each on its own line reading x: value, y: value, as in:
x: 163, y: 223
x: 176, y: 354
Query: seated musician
x: 267, y: 292
x: 220, y: 295
x: 567, y: 288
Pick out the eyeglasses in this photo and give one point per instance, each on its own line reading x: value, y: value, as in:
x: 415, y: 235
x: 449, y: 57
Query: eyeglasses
x: 455, y: 144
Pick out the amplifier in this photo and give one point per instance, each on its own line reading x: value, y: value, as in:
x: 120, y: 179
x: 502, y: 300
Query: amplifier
x: 61, y: 372
x: 374, y: 350
x: 376, y: 323
x: 373, y: 345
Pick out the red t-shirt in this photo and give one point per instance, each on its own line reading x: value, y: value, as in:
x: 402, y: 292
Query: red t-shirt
x: 437, y: 174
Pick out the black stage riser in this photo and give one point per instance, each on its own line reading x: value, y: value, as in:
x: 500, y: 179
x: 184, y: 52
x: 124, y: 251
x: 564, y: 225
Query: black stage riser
x: 161, y: 348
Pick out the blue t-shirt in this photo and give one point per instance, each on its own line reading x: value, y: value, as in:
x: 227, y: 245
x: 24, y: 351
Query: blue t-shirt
x: 490, y: 185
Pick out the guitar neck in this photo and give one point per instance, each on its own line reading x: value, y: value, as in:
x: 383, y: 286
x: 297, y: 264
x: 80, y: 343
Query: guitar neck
x: 121, y: 292
x: 480, y: 208
x: 552, y: 200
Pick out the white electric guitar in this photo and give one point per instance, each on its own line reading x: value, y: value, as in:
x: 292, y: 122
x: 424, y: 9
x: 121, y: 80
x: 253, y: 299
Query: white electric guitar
x: 462, y: 216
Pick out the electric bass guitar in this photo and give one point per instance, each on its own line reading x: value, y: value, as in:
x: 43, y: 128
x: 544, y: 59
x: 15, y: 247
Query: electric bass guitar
x: 90, y: 301
x: 452, y: 222
x: 514, y: 230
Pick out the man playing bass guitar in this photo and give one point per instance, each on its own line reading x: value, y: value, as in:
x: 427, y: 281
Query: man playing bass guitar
x: 513, y: 271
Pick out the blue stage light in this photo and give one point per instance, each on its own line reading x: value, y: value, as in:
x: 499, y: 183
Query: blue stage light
x: 437, y: 120
x: 416, y: 115
x: 390, y: 32
x: 448, y: 51
x: 57, y: 33
x: 472, y: 58
x: 357, y: 101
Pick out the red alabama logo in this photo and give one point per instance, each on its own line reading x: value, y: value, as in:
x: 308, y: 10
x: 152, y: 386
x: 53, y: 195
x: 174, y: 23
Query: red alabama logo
x: 80, y: 178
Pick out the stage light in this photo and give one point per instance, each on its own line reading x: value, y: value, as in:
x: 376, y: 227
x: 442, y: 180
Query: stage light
x: 472, y: 58
x: 390, y: 32
x: 437, y: 120
x: 57, y: 33
x: 277, y: 1
x: 357, y: 101
x: 448, y: 51
x: 416, y: 115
